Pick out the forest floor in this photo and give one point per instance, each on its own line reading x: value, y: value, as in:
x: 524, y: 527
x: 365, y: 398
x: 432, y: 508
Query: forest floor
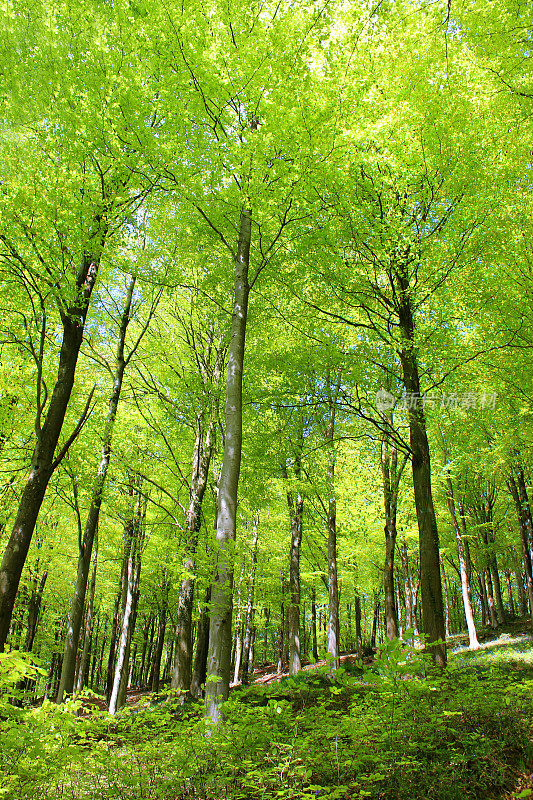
x: 384, y: 730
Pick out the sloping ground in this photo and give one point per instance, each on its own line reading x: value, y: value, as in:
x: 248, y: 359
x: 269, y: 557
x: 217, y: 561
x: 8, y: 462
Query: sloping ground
x: 384, y: 733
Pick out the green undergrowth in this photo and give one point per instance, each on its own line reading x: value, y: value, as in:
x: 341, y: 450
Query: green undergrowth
x: 386, y: 731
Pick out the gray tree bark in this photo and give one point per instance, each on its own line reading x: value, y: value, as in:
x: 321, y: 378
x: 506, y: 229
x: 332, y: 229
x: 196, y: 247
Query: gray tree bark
x: 219, y: 656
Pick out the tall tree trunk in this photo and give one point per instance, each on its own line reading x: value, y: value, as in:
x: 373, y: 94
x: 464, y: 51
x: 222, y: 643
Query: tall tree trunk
x: 466, y: 587
x: 86, y: 545
x: 248, y: 628
x: 219, y: 657
x: 432, y: 606
x: 44, y: 459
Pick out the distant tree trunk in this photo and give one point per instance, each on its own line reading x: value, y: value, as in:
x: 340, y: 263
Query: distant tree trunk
x: 99, y: 658
x: 483, y: 599
x: 248, y: 628
x: 281, y: 650
x: 399, y: 606
x: 156, y: 667
x: 446, y: 599
x: 524, y: 538
x: 333, y: 589
x: 147, y: 622
x: 149, y: 660
x: 34, y: 610
x: 202, y: 454
x: 377, y: 604
x: 87, y: 635
x: 238, y: 628
x: 508, y: 583
x: 44, y: 458
x: 296, y: 522
x: 113, y: 640
x: 133, y: 542
x: 490, y: 598
x: 466, y: 587
x: 500, y: 609
x: 219, y: 657
x: 391, y: 476
x: 202, y: 645
x: 410, y: 592
x: 357, y: 614
x: 265, y: 635
x: 85, y: 545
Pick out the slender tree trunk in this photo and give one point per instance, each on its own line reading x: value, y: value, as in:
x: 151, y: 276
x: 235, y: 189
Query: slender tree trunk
x: 89, y: 620
x: 281, y: 649
x: 238, y: 628
x: 358, y: 634
x: 202, y: 645
x: 466, y: 587
x: 483, y: 599
x: 203, y: 450
x: 113, y: 642
x: 44, y: 460
x: 500, y: 609
x: 34, y: 610
x: 508, y: 583
x: 313, y: 624
x: 296, y: 521
x: 248, y: 629
x: 446, y: 600
x: 377, y: 605
x: 219, y: 657
x: 490, y: 598
x: 524, y: 538
x: 133, y: 540
x: 391, y: 473
x: 333, y: 589
x: 156, y: 669
x: 265, y: 635
x: 148, y: 662
x: 86, y: 545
